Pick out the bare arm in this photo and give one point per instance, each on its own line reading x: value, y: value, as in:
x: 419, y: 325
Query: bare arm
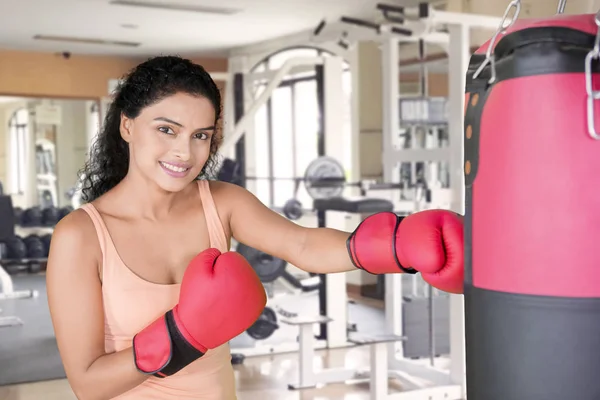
x: 76, y: 308
x: 319, y: 250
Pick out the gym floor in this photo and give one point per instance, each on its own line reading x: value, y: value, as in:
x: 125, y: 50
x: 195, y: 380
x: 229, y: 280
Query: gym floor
x: 259, y: 378
x: 30, y: 353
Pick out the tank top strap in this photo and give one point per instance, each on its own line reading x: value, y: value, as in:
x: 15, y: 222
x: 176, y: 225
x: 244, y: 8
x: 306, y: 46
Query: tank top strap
x: 104, y: 239
x: 216, y: 233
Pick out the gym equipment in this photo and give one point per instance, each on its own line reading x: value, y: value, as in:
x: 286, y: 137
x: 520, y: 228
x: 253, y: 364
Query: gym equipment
x: 292, y: 210
x: 32, y: 217
x: 520, y: 302
x: 7, y: 232
x: 35, y: 246
x: 265, y: 326
x: 64, y: 211
x: 237, y: 358
x: 46, y: 241
x: 16, y: 248
x: 25, y: 255
x: 18, y: 215
x: 230, y: 171
x: 50, y: 216
x: 445, y: 380
x: 270, y: 269
x: 377, y: 374
x: 267, y: 267
x: 324, y: 177
x: 46, y: 177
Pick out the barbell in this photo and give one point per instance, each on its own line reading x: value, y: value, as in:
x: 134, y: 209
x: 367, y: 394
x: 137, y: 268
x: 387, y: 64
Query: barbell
x: 324, y: 178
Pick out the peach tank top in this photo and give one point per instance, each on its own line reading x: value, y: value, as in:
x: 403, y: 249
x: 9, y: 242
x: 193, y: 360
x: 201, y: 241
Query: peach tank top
x: 131, y: 303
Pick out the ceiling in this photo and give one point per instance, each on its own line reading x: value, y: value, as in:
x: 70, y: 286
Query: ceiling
x: 159, y: 30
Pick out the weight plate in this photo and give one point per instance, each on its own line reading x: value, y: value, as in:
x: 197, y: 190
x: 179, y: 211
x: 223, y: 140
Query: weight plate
x: 267, y: 267
x: 324, y: 178
x: 264, y: 326
x: 292, y: 209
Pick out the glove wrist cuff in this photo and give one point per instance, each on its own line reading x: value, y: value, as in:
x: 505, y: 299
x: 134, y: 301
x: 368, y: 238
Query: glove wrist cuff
x: 377, y: 244
x: 162, y: 350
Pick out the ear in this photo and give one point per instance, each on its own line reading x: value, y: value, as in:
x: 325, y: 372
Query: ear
x: 126, y: 128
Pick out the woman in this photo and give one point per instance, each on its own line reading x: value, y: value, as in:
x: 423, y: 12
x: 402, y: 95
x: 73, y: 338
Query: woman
x: 117, y: 263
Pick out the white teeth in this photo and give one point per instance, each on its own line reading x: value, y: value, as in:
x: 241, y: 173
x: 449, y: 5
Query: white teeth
x: 173, y: 168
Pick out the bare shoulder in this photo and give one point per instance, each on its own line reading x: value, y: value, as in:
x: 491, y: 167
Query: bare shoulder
x: 77, y: 226
x: 74, y: 236
x: 231, y: 197
x: 228, y: 194
x: 227, y: 198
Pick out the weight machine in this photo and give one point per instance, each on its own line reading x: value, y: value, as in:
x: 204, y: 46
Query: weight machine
x: 439, y: 378
x: 333, y: 288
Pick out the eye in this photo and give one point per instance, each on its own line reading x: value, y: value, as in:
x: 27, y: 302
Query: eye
x: 202, y: 136
x: 166, y: 130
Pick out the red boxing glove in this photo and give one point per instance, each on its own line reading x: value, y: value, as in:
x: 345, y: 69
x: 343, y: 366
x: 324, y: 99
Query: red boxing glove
x: 429, y: 242
x: 220, y: 297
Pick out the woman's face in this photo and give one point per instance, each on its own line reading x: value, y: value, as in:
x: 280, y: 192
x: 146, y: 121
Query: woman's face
x: 170, y: 140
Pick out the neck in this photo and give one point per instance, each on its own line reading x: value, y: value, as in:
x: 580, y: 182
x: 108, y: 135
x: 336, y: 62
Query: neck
x: 146, y: 199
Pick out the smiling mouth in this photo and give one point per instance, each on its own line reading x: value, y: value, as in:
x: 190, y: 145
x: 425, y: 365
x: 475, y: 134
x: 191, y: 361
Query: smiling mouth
x: 172, y: 167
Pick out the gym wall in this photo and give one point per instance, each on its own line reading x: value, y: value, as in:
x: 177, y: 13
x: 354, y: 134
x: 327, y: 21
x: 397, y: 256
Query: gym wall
x: 78, y: 76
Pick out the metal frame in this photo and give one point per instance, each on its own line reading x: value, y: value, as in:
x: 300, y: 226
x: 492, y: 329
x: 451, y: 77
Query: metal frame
x: 446, y: 379
x: 335, y: 284
x: 449, y: 380
x: 244, y: 123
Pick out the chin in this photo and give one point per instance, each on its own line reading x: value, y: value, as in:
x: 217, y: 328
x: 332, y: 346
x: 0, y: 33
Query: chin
x: 175, y: 182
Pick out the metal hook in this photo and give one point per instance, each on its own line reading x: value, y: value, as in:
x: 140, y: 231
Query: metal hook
x: 489, y: 57
x: 592, y: 94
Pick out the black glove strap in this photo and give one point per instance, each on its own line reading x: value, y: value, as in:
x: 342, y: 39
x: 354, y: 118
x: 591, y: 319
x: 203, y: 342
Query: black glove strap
x: 410, y: 271
x: 182, y: 354
x: 351, y: 251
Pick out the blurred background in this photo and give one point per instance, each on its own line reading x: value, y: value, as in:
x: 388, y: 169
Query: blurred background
x: 375, y: 86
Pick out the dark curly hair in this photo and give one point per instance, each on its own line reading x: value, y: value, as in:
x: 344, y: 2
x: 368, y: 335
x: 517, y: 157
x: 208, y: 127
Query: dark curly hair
x: 146, y: 84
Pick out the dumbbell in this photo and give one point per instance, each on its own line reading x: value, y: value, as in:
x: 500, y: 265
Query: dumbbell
x: 35, y: 246
x: 46, y: 241
x: 292, y: 209
x: 18, y: 215
x: 32, y: 217
x: 50, y: 216
x: 16, y: 248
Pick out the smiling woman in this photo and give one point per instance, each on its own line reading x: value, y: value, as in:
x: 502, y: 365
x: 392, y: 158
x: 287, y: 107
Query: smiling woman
x: 190, y: 94
x: 112, y: 271
x: 143, y: 291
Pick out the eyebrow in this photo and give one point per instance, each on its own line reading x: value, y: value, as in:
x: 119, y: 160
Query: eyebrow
x: 170, y: 121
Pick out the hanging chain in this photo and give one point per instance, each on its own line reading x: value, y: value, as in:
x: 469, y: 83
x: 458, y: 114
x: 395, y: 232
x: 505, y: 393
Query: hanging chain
x: 505, y: 23
x: 592, y: 94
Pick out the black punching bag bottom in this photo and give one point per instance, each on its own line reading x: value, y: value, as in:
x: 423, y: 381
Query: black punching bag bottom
x: 525, y: 347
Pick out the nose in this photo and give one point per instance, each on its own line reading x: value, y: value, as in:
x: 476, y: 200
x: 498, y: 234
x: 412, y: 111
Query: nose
x: 182, y: 148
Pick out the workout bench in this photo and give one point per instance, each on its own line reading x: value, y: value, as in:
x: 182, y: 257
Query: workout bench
x: 377, y: 373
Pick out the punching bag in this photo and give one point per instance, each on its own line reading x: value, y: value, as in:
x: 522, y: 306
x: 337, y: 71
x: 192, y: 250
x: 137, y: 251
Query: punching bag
x: 532, y: 220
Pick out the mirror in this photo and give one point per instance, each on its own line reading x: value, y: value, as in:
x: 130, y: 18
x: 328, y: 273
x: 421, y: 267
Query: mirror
x: 43, y: 145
